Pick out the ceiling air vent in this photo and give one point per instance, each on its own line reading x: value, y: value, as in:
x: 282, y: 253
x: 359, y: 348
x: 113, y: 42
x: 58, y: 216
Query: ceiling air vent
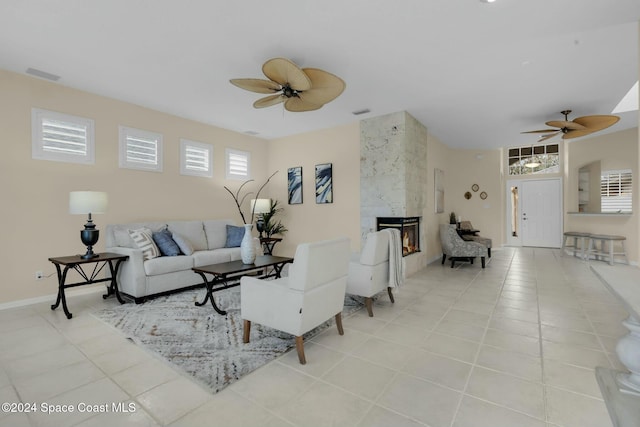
x: 42, y: 74
x: 364, y: 111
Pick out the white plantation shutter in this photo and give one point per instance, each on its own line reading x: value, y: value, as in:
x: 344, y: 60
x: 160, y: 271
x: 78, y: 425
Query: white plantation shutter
x: 196, y: 158
x: 140, y: 149
x: 615, y: 191
x: 237, y: 164
x: 61, y: 137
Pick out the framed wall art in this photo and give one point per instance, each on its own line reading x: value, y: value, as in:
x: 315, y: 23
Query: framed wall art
x: 294, y: 185
x: 324, y: 183
x: 438, y: 183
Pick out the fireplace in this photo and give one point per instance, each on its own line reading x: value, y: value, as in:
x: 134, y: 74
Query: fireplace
x: 409, y: 228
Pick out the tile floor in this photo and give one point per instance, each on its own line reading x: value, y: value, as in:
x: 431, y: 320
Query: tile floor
x: 512, y: 345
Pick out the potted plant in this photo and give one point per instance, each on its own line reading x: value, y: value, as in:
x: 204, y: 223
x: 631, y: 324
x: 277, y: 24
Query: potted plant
x: 271, y: 225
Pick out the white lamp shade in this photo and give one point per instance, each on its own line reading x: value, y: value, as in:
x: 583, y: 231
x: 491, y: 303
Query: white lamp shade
x: 85, y: 202
x: 260, y: 205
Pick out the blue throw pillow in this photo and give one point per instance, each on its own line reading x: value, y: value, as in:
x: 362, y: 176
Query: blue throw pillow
x: 234, y: 236
x: 165, y: 243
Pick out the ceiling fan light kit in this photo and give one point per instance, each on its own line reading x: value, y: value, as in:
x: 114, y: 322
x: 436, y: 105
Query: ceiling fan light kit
x: 300, y: 89
x: 576, y: 128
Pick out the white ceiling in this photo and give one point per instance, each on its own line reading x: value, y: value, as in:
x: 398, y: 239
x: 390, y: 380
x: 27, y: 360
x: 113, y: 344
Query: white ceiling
x: 475, y: 74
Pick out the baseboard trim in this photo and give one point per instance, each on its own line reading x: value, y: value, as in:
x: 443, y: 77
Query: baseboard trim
x: 51, y: 298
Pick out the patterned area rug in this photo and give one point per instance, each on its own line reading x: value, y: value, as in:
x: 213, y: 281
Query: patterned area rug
x: 201, y: 342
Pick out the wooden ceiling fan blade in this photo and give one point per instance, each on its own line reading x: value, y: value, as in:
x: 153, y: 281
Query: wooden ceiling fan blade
x: 268, y: 101
x: 257, y: 85
x: 325, y: 87
x: 285, y: 72
x: 297, y: 105
x: 597, y: 122
x: 562, y: 124
x: 542, y: 131
x: 576, y: 133
x: 545, y: 137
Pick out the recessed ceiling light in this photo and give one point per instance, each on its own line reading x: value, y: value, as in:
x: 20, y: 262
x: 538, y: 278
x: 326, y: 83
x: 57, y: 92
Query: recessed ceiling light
x: 487, y: 1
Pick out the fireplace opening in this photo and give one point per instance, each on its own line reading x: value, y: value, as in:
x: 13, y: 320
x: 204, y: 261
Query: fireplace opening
x: 409, y: 228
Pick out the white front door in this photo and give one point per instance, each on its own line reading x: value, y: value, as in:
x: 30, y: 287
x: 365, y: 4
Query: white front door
x: 541, y: 215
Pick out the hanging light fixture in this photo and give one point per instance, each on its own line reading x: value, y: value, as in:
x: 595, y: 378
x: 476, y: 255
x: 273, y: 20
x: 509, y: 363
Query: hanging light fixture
x: 532, y: 163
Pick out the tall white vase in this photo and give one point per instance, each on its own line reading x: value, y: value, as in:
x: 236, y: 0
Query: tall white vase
x: 247, y: 247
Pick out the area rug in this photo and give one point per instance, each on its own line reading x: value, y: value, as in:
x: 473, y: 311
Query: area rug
x: 201, y: 342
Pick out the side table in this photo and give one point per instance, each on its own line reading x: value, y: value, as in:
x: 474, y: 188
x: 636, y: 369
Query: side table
x: 268, y: 243
x: 76, y: 262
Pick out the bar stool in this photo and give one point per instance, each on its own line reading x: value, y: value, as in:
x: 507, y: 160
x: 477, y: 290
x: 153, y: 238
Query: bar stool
x: 607, y: 249
x: 576, y: 235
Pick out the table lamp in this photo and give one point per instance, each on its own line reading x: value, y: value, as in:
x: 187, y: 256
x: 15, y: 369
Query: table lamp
x: 88, y: 202
x: 260, y: 206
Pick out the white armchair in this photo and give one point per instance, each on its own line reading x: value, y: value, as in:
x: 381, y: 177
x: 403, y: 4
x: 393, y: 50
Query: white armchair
x: 312, y: 293
x: 369, y: 269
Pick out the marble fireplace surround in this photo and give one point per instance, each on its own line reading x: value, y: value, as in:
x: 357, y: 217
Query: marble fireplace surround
x: 393, y: 174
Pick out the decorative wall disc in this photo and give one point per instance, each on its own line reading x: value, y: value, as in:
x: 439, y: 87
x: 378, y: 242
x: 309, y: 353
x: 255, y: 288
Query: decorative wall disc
x: 483, y: 195
x: 475, y: 187
x: 467, y: 195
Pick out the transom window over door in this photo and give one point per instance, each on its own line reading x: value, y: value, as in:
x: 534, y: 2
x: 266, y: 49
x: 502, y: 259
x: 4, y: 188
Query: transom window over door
x: 616, y: 187
x: 534, y: 159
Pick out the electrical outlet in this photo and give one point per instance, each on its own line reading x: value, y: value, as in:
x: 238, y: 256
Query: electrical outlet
x: 39, y: 275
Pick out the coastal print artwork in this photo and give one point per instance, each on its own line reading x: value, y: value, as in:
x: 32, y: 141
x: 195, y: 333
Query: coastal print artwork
x: 294, y: 185
x: 324, y: 183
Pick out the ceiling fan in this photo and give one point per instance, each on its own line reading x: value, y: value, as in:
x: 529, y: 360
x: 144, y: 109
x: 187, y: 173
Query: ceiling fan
x: 576, y: 128
x: 301, y: 89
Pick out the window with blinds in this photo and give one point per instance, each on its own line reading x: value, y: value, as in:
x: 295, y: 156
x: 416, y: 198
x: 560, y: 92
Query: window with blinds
x: 140, y: 149
x: 196, y: 158
x: 61, y: 137
x: 237, y: 164
x: 615, y: 191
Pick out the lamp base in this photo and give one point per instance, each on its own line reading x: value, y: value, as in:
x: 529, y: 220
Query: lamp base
x: 89, y: 237
x: 89, y: 254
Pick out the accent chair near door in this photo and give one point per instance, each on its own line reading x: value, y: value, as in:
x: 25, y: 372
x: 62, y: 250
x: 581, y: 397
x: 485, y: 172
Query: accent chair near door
x: 312, y: 293
x: 457, y: 249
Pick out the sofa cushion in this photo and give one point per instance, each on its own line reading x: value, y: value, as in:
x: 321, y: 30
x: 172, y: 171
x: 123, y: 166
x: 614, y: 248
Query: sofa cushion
x: 192, y: 231
x: 234, y: 236
x: 163, y: 265
x: 202, y: 258
x: 121, y: 235
x: 164, y: 242
x: 216, y: 231
x: 183, y: 243
x: 142, y: 237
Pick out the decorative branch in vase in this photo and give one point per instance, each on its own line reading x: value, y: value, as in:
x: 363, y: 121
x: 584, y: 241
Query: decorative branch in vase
x: 247, y: 247
x: 240, y: 200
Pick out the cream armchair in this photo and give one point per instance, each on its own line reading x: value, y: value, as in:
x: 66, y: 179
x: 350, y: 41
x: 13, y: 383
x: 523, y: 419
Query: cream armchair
x: 369, y: 269
x: 312, y: 293
x: 457, y: 249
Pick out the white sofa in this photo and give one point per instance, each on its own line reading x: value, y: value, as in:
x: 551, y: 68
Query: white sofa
x: 140, y: 278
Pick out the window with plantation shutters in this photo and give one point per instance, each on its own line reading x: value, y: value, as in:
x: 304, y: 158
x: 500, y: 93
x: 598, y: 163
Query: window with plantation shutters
x: 61, y: 137
x: 238, y: 163
x: 196, y: 158
x: 615, y: 191
x: 140, y: 149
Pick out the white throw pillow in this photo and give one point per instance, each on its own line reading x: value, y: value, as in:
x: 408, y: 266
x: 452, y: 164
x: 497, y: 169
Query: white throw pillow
x: 185, y: 245
x: 143, y: 238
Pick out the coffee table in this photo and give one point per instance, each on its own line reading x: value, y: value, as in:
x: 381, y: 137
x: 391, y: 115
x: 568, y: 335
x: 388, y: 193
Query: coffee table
x: 223, y: 273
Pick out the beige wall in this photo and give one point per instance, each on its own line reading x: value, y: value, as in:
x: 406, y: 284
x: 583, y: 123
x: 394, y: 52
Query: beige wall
x: 310, y: 221
x: 482, y: 167
x: 437, y: 155
x: 618, y: 150
x: 34, y: 193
